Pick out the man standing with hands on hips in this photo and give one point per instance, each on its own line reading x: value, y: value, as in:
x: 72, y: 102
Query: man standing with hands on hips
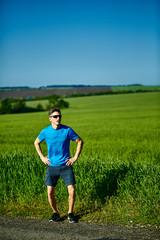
x: 58, y: 161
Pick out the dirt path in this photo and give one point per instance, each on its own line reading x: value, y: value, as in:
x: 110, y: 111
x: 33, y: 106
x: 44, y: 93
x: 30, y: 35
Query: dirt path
x: 13, y: 228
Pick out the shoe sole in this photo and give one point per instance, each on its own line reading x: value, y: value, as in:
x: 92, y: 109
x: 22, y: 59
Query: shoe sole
x: 70, y: 221
x: 56, y: 220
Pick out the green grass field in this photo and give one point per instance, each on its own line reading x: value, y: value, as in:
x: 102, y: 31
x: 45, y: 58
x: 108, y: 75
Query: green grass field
x: 117, y: 174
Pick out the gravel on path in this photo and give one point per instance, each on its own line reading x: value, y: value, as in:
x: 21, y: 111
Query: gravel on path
x: 18, y: 228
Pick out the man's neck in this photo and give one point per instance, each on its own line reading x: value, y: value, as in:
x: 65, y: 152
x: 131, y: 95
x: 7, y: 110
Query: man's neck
x: 56, y: 126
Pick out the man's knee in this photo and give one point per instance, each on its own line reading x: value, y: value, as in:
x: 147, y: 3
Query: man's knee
x: 71, y: 190
x: 50, y: 190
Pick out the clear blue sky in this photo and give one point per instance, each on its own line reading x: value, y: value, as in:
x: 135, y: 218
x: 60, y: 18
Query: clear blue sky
x: 79, y: 42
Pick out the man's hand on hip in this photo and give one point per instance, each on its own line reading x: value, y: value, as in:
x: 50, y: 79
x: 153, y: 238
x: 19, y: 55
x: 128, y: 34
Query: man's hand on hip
x: 70, y: 161
x: 46, y: 160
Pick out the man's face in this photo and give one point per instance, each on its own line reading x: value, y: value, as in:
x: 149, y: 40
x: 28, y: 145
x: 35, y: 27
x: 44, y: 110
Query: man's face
x: 55, y: 118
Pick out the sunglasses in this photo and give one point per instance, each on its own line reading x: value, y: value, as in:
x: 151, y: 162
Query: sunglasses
x: 56, y: 116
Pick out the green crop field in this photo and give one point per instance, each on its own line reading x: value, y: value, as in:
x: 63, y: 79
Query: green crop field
x: 134, y: 88
x: 117, y: 174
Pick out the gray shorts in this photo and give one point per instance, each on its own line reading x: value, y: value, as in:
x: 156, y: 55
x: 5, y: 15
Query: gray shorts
x: 53, y: 174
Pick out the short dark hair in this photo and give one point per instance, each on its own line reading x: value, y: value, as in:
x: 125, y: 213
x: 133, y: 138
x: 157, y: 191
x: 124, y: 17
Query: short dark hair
x: 54, y: 110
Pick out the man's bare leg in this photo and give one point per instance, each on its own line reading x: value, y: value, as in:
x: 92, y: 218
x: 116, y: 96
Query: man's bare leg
x: 71, y: 198
x: 51, y: 198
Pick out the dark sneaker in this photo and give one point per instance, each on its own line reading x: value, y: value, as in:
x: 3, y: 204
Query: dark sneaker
x: 72, y: 218
x: 55, y: 217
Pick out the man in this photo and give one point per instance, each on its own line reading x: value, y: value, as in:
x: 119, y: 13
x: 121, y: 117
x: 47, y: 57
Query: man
x: 58, y: 161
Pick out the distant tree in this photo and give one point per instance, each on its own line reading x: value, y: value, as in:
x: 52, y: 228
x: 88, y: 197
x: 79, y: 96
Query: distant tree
x: 56, y: 101
x: 19, y: 106
x: 6, y: 106
x: 63, y: 104
x: 39, y: 107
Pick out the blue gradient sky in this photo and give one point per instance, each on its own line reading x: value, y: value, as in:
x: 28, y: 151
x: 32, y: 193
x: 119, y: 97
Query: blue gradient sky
x: 79, y: 42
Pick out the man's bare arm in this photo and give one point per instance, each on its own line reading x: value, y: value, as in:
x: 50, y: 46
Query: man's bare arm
x: 38, y: 149
x: 79, y: 142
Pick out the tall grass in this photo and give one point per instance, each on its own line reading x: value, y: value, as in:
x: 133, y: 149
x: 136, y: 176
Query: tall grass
x: 102, y: 185
x: 117, y: 174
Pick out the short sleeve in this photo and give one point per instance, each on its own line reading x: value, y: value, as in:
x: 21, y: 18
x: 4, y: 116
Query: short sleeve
x: 41, y: 136
x: 72, y: 135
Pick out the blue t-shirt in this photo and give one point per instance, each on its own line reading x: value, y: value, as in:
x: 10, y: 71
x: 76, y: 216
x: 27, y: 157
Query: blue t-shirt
x: 58, y: 142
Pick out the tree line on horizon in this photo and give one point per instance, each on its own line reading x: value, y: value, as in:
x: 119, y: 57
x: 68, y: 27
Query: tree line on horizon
x: 66, y: 86
x: 10, y: 105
